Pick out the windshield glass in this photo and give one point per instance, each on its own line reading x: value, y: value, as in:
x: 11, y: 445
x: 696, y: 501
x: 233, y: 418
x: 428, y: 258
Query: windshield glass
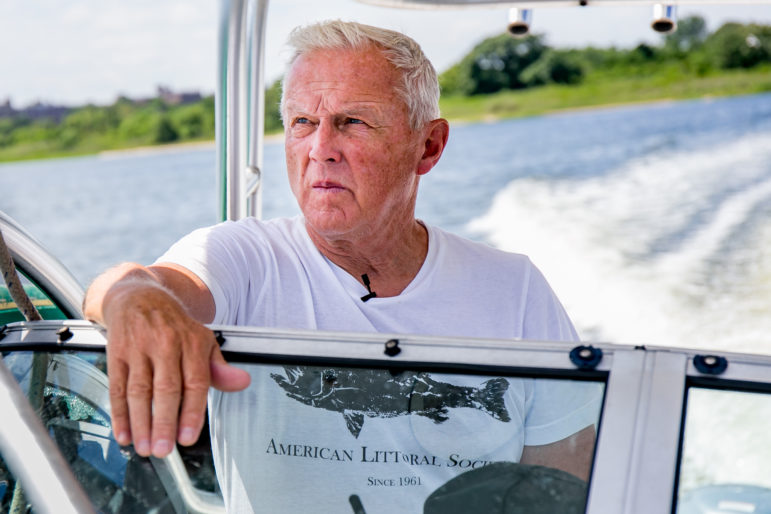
x: 358, y: 439
x: 382, y: 440
x: 9, y: 312
x: 726, y: 453
x: 69, y: 391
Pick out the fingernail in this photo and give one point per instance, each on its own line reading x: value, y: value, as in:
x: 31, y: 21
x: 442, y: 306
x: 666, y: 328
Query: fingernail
x: 142, y: 447
x: 123, y: 439
x: 186, y: 435
x: 162, y: 447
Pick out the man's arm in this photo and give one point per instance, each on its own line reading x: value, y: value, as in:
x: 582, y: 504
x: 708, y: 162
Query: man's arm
x: 161, y: 360
x: 573, y: 454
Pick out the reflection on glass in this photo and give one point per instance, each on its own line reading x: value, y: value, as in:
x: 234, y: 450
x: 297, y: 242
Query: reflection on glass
x: 69, y: 390
x: 726, y: 457
x: 374, y: 440
x: 334, y: 439
x: 10, y: 313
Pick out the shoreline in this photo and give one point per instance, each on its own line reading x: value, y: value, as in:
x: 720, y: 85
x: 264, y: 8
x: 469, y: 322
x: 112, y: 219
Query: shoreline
x: 457, y: 121
x: 172, y: 147
x: 155, y: 149
x: 492, y: 118
x: 279, y: 137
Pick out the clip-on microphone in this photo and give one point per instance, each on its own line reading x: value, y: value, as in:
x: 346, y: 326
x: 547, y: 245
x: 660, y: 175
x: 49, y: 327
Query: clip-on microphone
x: 371, y: 294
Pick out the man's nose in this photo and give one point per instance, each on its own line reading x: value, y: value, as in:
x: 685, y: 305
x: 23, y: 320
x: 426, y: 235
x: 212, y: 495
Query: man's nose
x: 325, y: 144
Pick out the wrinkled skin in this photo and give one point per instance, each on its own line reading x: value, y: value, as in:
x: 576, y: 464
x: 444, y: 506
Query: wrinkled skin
x: 354, y: 163
x: 161, y: 360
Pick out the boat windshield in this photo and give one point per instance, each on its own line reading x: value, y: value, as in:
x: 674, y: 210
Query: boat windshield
x: 360, y: 438
x: 370, y: 439
x: 9, y: 312
x: 725, y: 457
x: 69, y: 391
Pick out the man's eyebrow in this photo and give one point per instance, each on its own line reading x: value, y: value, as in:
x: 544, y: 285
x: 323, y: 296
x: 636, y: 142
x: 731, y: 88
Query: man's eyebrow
x: 359, y: 109
x: 354, y: 107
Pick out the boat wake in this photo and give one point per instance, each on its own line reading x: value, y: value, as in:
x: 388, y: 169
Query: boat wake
x: 672, y: 249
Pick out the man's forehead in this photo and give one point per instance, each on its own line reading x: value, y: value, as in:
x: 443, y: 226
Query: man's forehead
x: 370, y: 54
x: 349, y: 84
x: 349, y: 67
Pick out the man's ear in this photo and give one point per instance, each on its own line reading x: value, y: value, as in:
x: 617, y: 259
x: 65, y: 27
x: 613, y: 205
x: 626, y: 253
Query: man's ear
x: 437, y: 133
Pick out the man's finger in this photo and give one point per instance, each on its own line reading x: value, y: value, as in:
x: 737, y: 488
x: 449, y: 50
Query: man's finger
x: 139, y: 388
x: 167, y: 395
x: 196, y: 380
x: 118, y: 376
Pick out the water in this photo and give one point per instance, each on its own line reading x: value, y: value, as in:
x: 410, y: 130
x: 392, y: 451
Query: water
x: 653, y: 223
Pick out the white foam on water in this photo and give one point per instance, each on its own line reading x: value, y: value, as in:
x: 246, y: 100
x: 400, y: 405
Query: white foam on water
x: 662, y: 251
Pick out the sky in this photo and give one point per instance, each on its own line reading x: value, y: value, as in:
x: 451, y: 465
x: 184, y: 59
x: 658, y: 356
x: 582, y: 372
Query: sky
x: 91, y: 51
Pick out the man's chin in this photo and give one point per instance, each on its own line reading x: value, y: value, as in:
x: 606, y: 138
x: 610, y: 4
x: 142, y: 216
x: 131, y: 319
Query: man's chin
x: 328, y: 224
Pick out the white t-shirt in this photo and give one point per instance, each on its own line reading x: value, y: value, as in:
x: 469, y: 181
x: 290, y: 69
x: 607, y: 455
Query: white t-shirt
x: 306, y: 439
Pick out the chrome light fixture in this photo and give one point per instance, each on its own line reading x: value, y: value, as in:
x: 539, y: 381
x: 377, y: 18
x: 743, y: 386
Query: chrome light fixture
x: 664, y: 18
x: 519, y: 21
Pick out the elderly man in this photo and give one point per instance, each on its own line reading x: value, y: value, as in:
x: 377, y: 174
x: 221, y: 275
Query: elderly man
x: 360, y: 110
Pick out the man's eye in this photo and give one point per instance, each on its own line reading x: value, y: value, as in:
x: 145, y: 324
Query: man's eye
x: 301, y: 120
x: 354, y: 121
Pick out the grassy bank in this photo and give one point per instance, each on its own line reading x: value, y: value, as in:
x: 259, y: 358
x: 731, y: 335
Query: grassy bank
x: 601, y: 89
x: 91, y: 129
x: 48, y: 150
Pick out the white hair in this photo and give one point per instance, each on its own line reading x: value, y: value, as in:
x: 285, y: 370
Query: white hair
x: 419, y: 88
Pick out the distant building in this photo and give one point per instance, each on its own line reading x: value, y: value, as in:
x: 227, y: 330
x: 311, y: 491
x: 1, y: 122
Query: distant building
x: 36, y: 111
x: 40, y: 110
x: 172, y: 98
x: 6, y: 109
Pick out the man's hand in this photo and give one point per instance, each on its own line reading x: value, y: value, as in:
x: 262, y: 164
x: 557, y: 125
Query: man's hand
x: 160, y: 360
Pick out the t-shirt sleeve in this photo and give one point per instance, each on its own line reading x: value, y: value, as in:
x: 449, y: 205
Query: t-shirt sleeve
x: 214, y: 255
x: 561, y: 408
x: 545, y: 318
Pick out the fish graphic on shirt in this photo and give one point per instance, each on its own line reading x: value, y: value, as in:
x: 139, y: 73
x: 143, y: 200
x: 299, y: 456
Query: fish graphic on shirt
x: 356, y: 393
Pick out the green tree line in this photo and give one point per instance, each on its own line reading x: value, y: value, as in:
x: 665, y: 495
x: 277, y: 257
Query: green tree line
x: 90, y: 128
x: 504, y: 63
x: 496, y: 66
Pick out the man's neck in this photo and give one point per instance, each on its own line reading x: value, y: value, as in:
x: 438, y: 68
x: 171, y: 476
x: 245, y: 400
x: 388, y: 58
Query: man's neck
x: 390, y: 263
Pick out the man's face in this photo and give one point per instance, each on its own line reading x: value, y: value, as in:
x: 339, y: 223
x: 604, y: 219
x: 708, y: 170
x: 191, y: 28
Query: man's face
x: 352, y: 157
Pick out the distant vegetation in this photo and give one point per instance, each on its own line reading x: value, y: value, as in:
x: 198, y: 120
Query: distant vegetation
x: 500, y: 77
x: 506, y: 77
x: 90, y: 129
x: 501, y: 62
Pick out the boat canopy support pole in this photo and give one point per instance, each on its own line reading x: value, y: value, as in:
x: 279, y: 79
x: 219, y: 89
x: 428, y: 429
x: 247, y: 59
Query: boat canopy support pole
x: 256, y: 113
x: 230, y: 92
x: 240, y: 105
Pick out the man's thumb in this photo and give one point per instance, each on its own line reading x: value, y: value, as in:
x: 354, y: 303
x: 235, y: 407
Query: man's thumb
x: 226, y: 377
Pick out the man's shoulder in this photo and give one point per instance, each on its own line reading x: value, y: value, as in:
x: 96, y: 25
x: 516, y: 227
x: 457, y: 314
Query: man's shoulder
x: 459, y: 247
x: 253, y: 228
x: 249, y: 236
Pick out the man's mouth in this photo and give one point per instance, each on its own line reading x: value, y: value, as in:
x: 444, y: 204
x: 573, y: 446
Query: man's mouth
x: 328, y: 186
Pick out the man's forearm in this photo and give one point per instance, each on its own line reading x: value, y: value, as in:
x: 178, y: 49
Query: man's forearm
x: 159, y: 356
x: 114, y: 283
